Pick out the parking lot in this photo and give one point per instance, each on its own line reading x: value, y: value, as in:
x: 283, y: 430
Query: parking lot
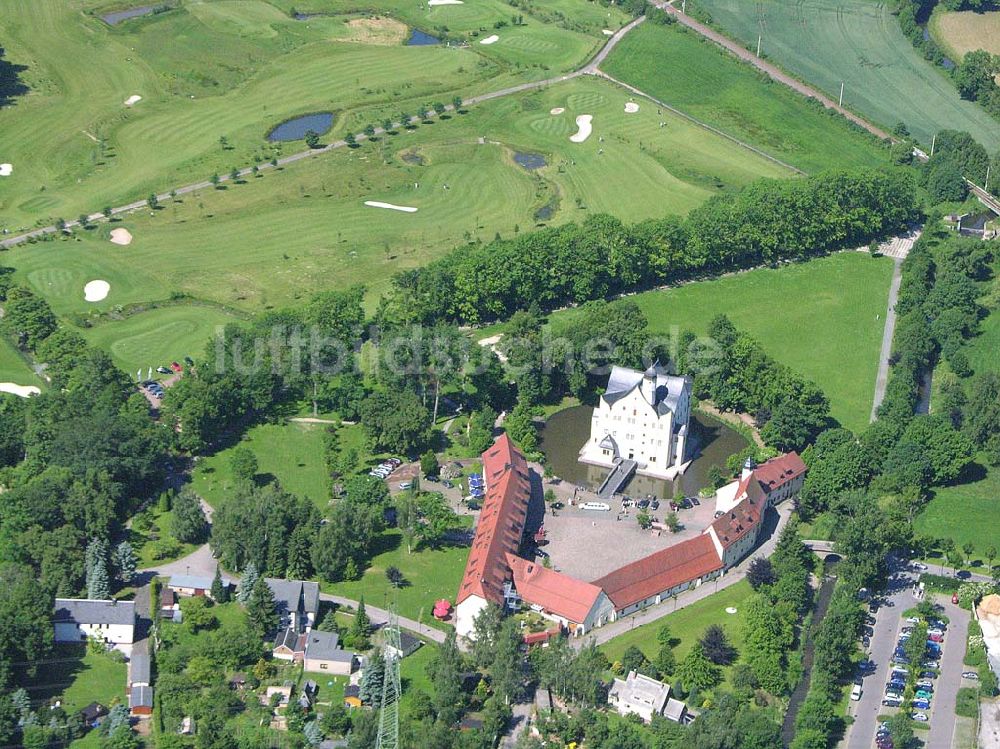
x: 941, y: 679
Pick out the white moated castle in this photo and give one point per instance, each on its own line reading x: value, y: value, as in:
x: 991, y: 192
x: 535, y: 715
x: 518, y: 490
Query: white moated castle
x: 643, y: 416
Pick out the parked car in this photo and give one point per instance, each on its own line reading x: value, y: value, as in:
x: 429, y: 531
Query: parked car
x: 695, y: 500
x: 856, y: 692
x: 163, y: 370
x: 923, y: 694
x: 970, y: 675
x: 921, y: 704
x: 654, y: 505
x: 901, y: 660
x: 718, y: 513
x: 912, y: 620
x: 928, y: 674
x: 926, y: 684
x: 892, y: 702
x: 447, y: 484
x: 919, y: 717
x: 930, y: 663
x: 643, y: 504
x: 918, y: 567
x: 176, y: 367
x: 404, y: 485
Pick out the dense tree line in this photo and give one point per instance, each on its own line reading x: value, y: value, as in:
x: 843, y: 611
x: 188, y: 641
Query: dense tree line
x: 768, y: 221
x: 957, y: 155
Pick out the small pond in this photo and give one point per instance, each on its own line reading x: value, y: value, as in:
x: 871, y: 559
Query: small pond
x: 296, y: 129
x: 565, y: 432
x: 123, y: 15
x: 419, y: 39
x: 529, y: 161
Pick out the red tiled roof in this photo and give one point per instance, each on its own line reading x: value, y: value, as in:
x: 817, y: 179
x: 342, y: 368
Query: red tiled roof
x: 501, y: 522
x: 557, y: 593
x: 660, y: 571
x: 743, y: 518
x: 779, y: 471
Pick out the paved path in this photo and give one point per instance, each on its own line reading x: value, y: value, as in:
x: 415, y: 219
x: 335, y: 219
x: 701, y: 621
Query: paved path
x: 882, y: 378
x: 688, y: 597
x: 773, y: 71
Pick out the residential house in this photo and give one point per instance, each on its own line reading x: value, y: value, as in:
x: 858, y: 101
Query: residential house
x: 574, y: 604
x: 642, y: 416
x: 168, y: 603
x: 194, y: 585
x: 79, y: 619
x: 289, y: 645
x: 297, y: 602
x: 640, y: 695
x: 408, y: 644
x: 323, y: 653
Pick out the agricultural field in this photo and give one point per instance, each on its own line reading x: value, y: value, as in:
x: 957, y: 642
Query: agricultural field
x: 288, y: 233
x: 823, y: 318
x: 966, y: 31
x: 292, y: 453
x: 686, y: 71
x: 233, y: 69
x: 859, y: 43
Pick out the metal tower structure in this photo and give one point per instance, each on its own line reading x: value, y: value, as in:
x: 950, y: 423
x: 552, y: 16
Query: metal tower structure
x: 388, y: 717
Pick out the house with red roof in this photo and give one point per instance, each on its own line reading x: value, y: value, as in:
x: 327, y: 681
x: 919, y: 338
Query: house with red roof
x: 576, y: 605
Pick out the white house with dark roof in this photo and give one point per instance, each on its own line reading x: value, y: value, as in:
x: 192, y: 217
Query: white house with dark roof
x: 79, y: 619
x: 640, y: 695
x: 323, y: 653
x: 297, y: 602
x: 642, y: 416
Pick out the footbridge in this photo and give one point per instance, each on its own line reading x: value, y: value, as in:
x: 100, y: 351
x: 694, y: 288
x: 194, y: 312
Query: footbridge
x: 820, y: 548
x: 619, y: 476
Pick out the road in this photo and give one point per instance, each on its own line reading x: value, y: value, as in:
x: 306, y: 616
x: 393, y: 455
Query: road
x: 688, y: 597
x: 942, y: 713
x: 589, y: 68
x: 773, y: 71
x: 882, y: 378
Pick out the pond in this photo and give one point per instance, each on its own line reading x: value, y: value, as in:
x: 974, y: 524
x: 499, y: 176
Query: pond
x: 296, y: 129
x: 529, y: 161
x: 565, y: 432
x: 419, y: 39
x: 123, y: 15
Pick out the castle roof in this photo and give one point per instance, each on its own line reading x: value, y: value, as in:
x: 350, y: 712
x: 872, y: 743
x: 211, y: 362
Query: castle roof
x: 667, y: 387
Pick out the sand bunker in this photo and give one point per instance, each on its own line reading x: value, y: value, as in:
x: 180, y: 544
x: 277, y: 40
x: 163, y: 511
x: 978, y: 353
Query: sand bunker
x: 584, y: 128
x: 121, y: 236
x: 557, y: 110
x: 133, y: 99
x: 445, y: 2
x: 390, y: 206
x: 492, y: 39
x: 95, y: 291
x: 6, y: 169
x: 22, y: 390
x: 631, y: 107
x: 607, y: 32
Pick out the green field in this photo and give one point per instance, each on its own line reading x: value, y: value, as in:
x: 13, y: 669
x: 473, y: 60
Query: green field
x: 283, y: 236
x: 145, y: 543
x: 77, y: 677
x: 817, y: 317
x: 859, y: 43
x: 232, y: 68
x: 291, y: 453
x: 159, y: 336
x: 430, y: 574
x: 13, y: 368
x: 684, y: 70
x: 688, y: 625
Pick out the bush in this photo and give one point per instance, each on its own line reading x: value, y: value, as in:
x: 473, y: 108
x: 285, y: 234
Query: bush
x: 967, y: 702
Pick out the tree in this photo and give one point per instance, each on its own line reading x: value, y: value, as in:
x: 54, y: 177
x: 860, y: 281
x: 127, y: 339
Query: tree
x: 214, y: 179
x: 991, y: 554
x: 387, y: 125
x: 361, y: 627
x: 760, y: 573
x: 189, y: 524
x: 125, y: 562
x: 261, y: 609
x: 672, y: 522
x: 974, y: 76
x: 429, y: 464
x: 717, y: 647
x: 198, y: 614
x: 107, y: 212
x: 696, y: 673
x: 243, y: 464
x: 27, y: 317
x: 644, y: 520
x: 946, y: 184
x: 968, y: 548
x: 394, y: 576
x: 312, y: 139
x: 373, y: 679
x: 634, y: 659
x: 83, y: 220
x: 351, y: 140
x: 447, y: 693
x: 247, y: 583
x: 456, y: 102
x: 98, y: 583
x: 485, y: 630
x: 396, y: 421
x: 220, y: 591
x: 152, y: 201
x: 234, y: 174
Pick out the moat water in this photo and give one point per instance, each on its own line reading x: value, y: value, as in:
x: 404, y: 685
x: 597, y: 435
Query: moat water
x: 711, y: 442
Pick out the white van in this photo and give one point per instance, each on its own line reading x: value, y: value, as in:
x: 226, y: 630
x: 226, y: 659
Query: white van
x: 595, y: 506
x: 856, y: 692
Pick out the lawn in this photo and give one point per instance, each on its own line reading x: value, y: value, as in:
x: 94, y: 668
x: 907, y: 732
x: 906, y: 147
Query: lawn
x: 859, y: 43
x: 283, y: 236
x: 77, y: 677
x: 14, y: 368
x: 233, y: 68
x: 159, y: 336
x: 430, y: 574
x: 688, y: 624
x: 145, y: 543
x: 291, y: 453
x: 684, y: 70
x: 966, y: 31
x: 818, y: 317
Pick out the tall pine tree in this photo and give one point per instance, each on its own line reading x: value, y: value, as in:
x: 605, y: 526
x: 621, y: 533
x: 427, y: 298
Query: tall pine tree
x: 219, y: 591
x: 98, y: 583
x: 261, y: 609
x: 246, y: 584
x: 125, y: 562
x: 373, y: 679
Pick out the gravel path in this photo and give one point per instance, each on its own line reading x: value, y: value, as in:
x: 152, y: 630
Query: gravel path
x: 882, y: 378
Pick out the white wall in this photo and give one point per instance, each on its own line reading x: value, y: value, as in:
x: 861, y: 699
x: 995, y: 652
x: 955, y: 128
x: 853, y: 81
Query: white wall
x: 328, y: 667
x: 116, y: 634
x: 466, y: 613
